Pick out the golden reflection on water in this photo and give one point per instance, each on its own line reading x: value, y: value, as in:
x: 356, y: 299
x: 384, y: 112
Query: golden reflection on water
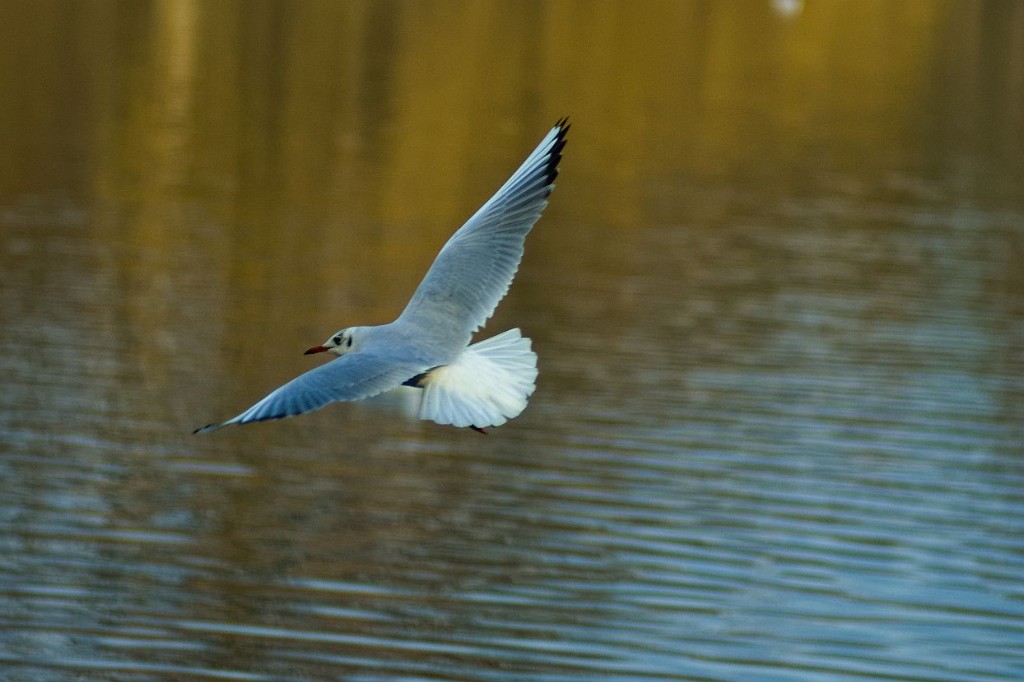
x: 352, y: 113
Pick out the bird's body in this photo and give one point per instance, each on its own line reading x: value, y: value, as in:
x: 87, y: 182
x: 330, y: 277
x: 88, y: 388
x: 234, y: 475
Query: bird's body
x: 427, y: 346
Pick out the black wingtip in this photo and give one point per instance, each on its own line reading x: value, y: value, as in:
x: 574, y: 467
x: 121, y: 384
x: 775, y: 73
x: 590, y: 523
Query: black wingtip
x: 555, y: 155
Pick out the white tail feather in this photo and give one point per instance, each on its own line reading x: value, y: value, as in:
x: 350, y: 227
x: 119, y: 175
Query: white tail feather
x: 486, y: 386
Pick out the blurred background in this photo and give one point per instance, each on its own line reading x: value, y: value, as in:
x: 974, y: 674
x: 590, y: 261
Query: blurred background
x: 778, y: 299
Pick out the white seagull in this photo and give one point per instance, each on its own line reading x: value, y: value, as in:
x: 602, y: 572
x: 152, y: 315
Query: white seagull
x: 427, y: 346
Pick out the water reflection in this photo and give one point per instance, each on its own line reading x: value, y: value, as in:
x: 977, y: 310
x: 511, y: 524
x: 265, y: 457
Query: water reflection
x: 777, y: 300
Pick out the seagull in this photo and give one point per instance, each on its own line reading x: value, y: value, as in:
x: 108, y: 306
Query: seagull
x: 428, y: 346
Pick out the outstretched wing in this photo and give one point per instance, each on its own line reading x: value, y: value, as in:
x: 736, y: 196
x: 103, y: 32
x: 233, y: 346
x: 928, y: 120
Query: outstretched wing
x: 475, y: 268
x: 351, y: 377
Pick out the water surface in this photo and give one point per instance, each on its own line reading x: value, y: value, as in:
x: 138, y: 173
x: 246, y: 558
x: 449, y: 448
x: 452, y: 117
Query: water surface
x: 778, y: 301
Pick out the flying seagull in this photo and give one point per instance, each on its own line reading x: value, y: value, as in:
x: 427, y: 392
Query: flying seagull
x: 428, y: 345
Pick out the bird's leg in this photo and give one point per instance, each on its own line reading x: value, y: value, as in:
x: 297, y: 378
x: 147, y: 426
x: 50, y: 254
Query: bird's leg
x: 416, y: 381
x: 478, y: 429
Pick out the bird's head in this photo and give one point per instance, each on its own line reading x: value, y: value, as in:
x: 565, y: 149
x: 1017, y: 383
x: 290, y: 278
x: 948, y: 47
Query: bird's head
x: 344, y: 341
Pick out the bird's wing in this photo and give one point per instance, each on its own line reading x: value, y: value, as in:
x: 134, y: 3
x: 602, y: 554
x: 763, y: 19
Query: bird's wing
x: 475, y: 268
x: 354, y: 376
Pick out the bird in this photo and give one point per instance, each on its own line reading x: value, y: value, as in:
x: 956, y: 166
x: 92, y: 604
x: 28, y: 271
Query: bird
x: 474, y: 385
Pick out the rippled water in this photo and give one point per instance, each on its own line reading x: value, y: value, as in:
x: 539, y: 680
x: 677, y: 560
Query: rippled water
x: 779, y: 428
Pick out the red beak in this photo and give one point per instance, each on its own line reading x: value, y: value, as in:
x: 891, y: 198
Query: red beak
x: 316, y: 349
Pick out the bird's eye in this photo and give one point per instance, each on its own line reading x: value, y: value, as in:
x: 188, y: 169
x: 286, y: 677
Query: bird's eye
x: 336, y: 340
x: 348, y: 342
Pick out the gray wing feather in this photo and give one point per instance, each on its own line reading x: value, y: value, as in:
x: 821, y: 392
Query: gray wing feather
x: 474, y: 270
x: 351, y: 377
